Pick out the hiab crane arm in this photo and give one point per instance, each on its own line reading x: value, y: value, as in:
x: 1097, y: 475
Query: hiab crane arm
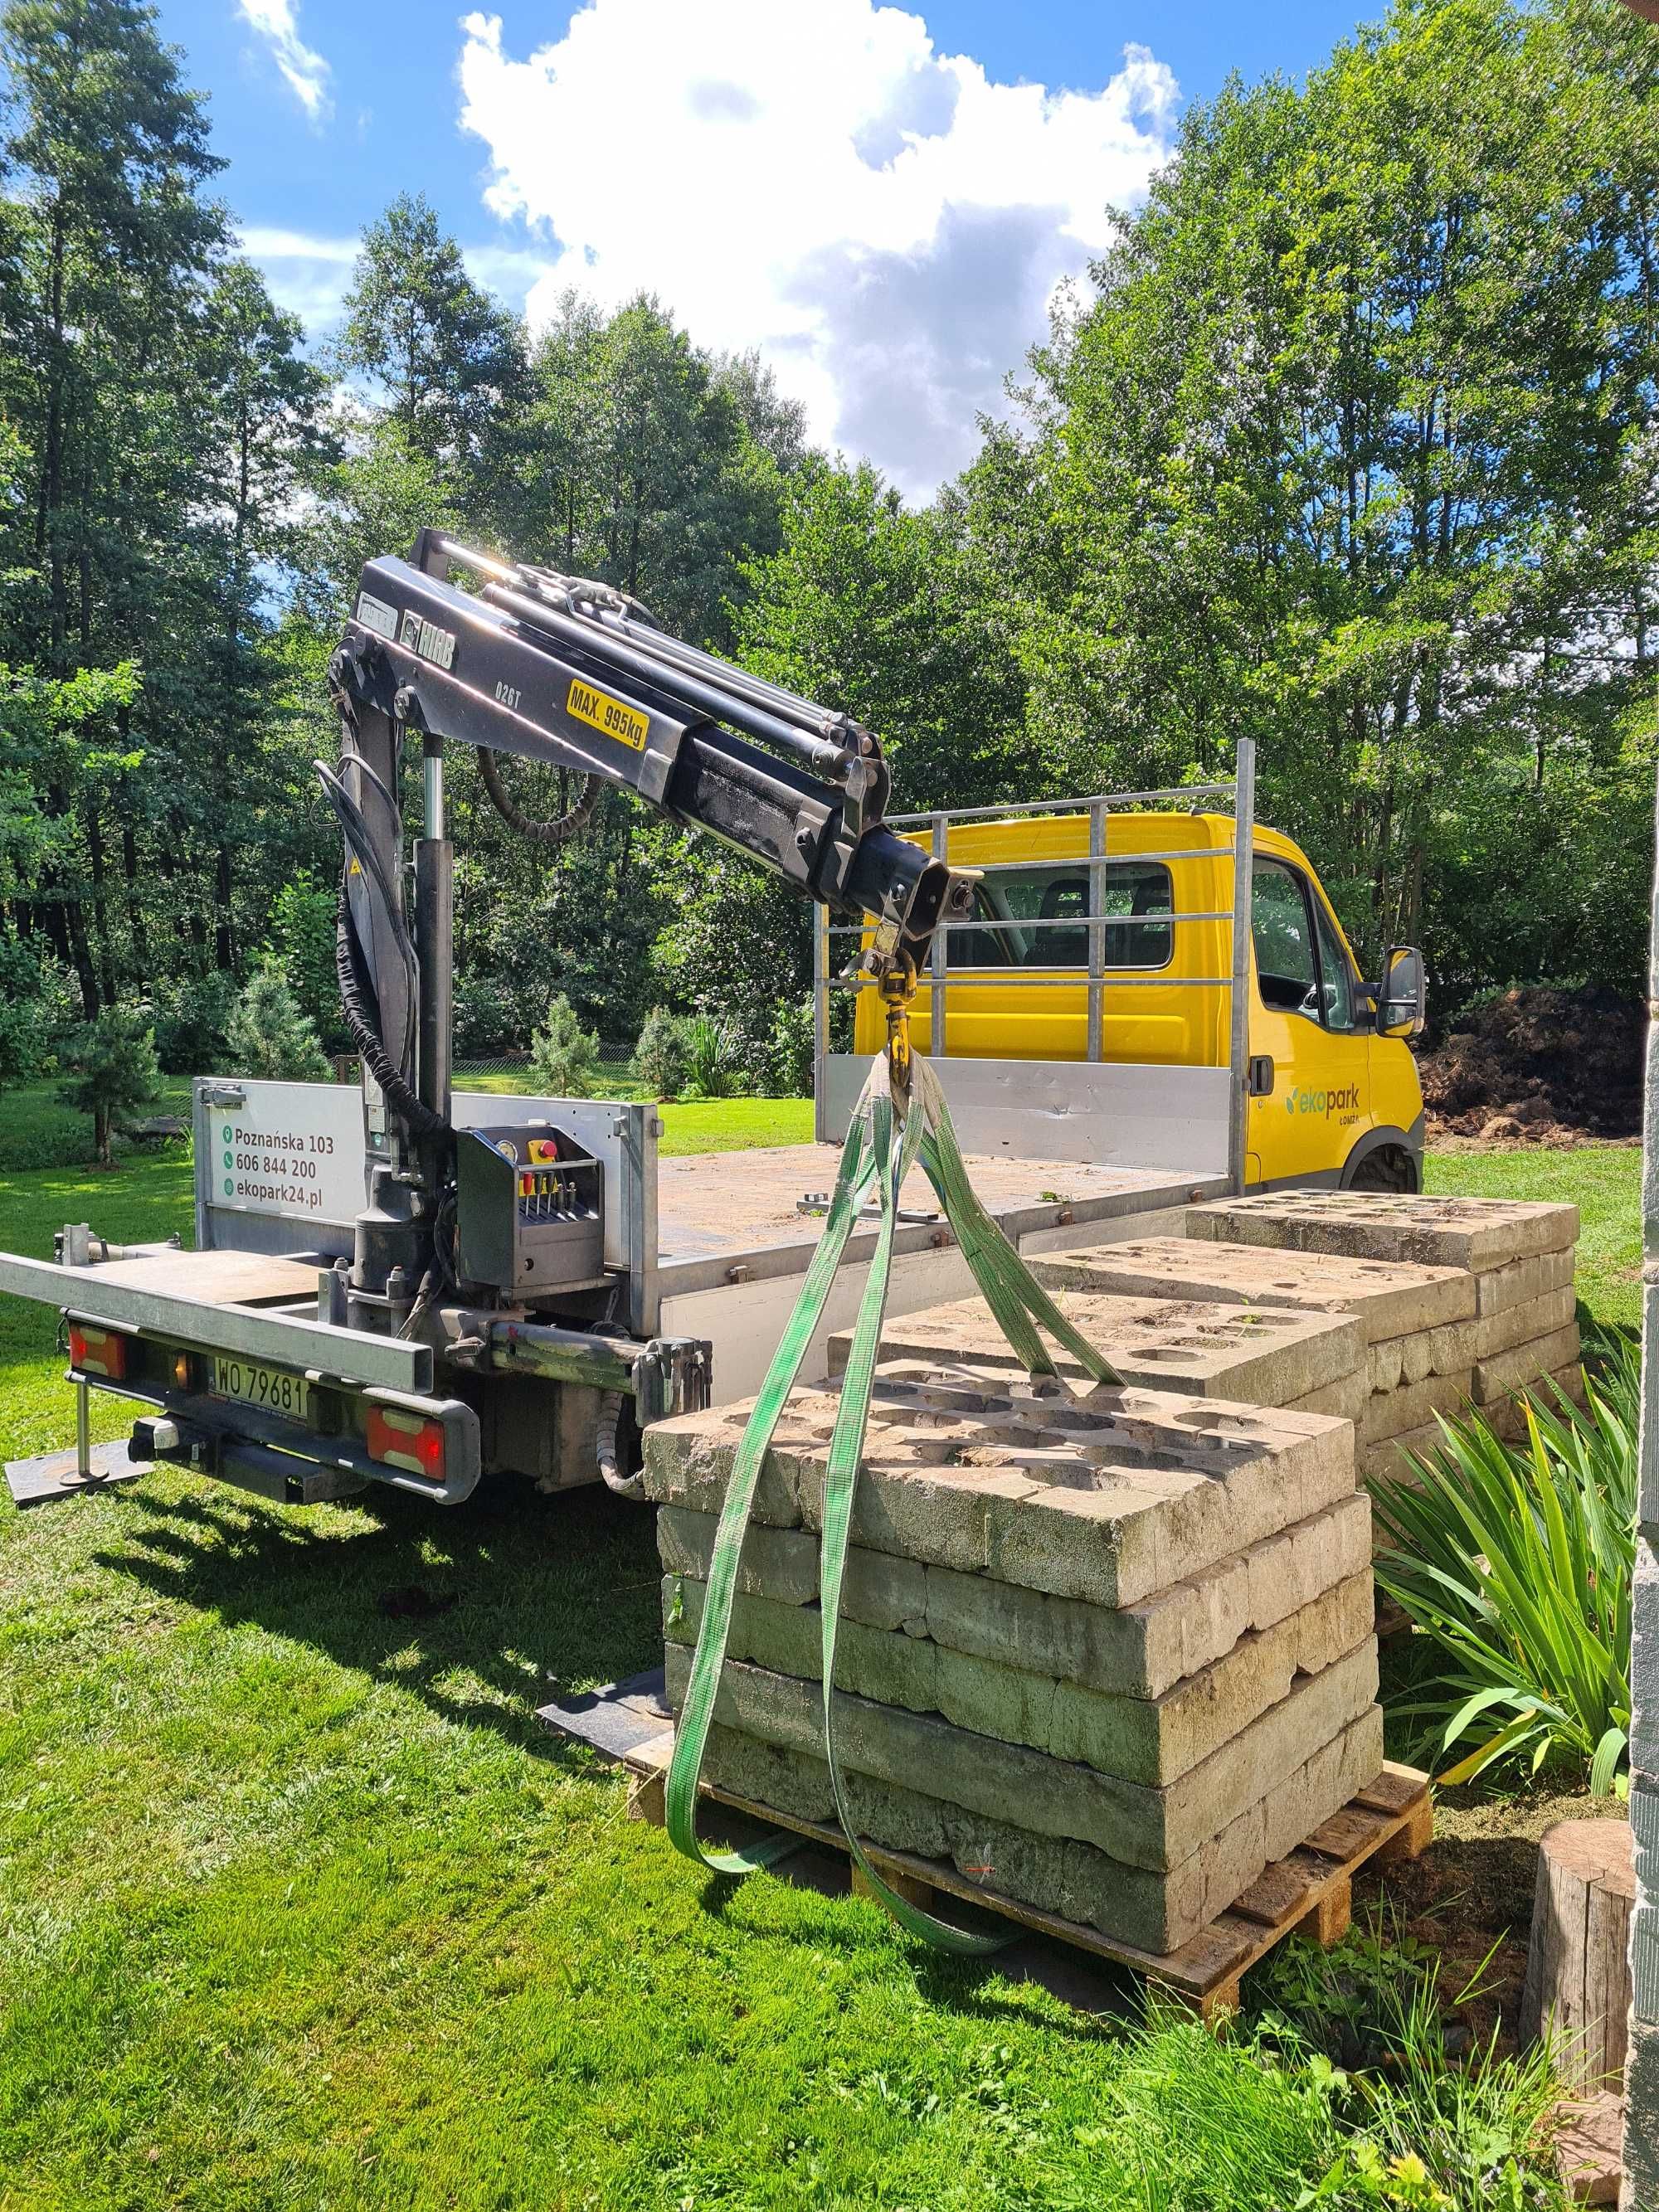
x: 572, y: 674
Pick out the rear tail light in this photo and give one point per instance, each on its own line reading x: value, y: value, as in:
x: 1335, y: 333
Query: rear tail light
x: 406, y: 1440
x: 99, y: 1352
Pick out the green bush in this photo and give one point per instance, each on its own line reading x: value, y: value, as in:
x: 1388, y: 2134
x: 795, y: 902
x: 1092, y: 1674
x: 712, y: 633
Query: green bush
x: 711, y: 1053
x: 34, y: 1007
x: 791, y: 1052
x: 302, y: 934
x: 268, y: 1036
x: 660, y: 1058
x: 192, y: 1015
x: 115, y: 1072
x: 1516, y: 1563
x: 564, y: 1057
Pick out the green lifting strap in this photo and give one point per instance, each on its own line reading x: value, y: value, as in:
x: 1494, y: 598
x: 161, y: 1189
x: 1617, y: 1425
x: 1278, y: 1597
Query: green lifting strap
x: 881, y: 1148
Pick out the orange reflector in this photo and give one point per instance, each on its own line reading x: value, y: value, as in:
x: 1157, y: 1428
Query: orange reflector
x: 406, y: 1440
x: 98, y: 1352
x: 181, y: 1369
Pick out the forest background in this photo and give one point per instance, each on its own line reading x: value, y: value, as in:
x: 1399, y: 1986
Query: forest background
x: 1348, y: 442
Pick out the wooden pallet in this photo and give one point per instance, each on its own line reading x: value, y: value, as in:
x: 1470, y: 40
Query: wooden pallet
x: 1310, y: 1893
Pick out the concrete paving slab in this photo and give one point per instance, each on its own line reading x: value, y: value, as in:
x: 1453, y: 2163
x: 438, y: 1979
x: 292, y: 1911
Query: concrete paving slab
x: 1153, y: 1828
x: 1506, y: 1372
x: 1478, y: 1234
x: 1255, y: 1357
x: 1448, y: 1349
x: 1392, y: 1412
x: 1388, y: 1298
x: 1156, y: 1911
x: 1153, y: 1741
x: 1500, y: 1288
x: 1138, y: 1650
x: 1106, y: 1498
x: 1524, y: 1323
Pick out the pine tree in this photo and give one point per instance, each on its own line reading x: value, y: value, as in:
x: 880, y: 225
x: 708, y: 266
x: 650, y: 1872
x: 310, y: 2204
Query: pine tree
x: 267, y: 1034
x: 115, y: 1071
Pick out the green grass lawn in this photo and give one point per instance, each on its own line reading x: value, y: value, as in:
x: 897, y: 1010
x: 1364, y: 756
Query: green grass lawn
x: 1604, y: 1182
x: 301, y: 1908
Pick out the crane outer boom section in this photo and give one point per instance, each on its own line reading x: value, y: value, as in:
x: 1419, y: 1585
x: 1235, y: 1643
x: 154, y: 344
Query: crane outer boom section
x: 798, y: 793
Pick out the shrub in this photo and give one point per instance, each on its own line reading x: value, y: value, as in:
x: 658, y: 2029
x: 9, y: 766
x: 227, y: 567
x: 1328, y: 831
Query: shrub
x: 790, y: 1051
x: 1516, y: 1563
x: 268, y: 1036
x: 564, y: 1057
x: 487, y: 1024
x: 710, y: 1054
x: 115, y: 1071
x: 33, y: 1005
x: 660, y: 1056
x: 192, y: 1016
x: 302, y: 933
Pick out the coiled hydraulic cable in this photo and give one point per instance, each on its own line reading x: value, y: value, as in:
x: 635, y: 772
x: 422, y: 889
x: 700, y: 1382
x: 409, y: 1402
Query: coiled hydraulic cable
x: 556, y: 832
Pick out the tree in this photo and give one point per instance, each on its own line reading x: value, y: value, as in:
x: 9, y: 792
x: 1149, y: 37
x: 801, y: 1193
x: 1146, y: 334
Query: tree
x: 444, y: 355
x: 563, y: 1055
x: 115, y: 1071
x: 267, y: 1034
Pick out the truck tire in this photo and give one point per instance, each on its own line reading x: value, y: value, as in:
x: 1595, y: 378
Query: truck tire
x: 1390, y: 1166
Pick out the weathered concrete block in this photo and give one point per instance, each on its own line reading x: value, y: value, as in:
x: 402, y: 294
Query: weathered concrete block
x: 1394, y: 1412
x: 1387, y: 1298
x: 1641, y: 2192
x: 1204, y: 1349
x: 1448, y: 1349
x: 1478, y: 1234
x: 1512, y: 1371
x: 1644, y: 1917
x: 1154, y: 1828
x: 1138, y: 1650
x: 1154, y: 1740
x: 1343, y: 1401
x: 1388, y: 1457
x: 1106, y: 1498
x: 1524, y: 1323
x: 1154, y: 1912
x: 1644, y: 1668
x: 1521, y: 1281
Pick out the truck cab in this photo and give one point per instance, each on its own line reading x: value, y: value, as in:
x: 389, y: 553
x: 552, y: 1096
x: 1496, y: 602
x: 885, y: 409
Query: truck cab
x: 1121, y: 957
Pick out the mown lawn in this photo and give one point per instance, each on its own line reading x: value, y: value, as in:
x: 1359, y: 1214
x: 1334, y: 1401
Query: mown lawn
x: 301, y: 1908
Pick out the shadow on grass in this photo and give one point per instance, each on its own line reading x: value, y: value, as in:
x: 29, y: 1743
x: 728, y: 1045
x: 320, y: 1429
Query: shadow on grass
x: 483, y: 1610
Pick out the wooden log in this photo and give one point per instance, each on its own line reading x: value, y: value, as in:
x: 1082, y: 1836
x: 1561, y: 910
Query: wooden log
x: 1577, y: 1980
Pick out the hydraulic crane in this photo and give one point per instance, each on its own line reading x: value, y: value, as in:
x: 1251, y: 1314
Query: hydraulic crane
x: 564, y: 671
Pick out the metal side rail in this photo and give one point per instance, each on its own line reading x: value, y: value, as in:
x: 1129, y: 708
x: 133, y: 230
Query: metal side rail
x: 312, y: 1346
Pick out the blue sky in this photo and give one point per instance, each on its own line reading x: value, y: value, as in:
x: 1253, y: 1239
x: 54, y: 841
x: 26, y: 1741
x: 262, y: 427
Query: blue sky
x: 882, y: 201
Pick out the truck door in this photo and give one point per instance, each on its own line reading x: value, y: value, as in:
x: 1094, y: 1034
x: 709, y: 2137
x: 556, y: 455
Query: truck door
x: 1307, y: 1018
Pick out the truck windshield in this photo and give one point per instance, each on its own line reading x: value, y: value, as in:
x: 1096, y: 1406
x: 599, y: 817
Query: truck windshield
x: 1041, y: 918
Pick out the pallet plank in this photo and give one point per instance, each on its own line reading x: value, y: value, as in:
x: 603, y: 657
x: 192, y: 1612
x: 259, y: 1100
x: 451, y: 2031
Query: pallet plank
x: 1355, y: 1831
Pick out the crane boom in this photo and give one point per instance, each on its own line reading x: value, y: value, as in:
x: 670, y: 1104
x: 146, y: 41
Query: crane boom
x: 523, y: 660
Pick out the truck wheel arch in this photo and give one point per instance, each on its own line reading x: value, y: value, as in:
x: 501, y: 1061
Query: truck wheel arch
x: 1386, y: 1159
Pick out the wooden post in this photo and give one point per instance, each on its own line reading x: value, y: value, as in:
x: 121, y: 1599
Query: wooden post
x: 1578, y: 1962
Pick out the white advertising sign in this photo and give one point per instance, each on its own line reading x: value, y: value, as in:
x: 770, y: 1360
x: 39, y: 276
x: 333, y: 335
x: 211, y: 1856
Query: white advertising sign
x: 294, y: 1149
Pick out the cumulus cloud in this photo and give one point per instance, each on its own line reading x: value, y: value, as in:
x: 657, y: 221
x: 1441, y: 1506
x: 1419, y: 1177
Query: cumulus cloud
x: 303, y: 69
x: 886, y: 222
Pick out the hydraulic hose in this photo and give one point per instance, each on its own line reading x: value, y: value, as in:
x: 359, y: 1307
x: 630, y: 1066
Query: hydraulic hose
x: 625, y: 1486
x: 363, y: 1021
x: 538, y: 833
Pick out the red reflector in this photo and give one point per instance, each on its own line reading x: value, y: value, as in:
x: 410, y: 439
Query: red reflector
x: 98, y: 1352
x: 406, y: 1440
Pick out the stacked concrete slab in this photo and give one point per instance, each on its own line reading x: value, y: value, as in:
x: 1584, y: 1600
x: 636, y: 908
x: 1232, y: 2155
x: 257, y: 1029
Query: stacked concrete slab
x: 1111, y: 1655
x: 1518, y: 1255
x: 1457, y: 1301
x: 1308, y: 1363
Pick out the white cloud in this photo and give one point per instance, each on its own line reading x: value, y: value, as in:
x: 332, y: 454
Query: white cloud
x: 886, y: 222
x: 303, y: 68
x: 306, y: 276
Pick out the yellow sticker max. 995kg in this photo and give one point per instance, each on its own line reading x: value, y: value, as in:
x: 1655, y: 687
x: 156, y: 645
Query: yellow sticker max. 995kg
x: 608, y: 715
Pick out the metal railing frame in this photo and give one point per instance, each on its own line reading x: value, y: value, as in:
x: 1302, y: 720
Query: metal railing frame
x: 941, y: 979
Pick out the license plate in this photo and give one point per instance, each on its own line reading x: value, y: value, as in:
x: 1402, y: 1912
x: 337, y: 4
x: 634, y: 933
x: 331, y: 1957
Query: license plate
x: 271, y: 1388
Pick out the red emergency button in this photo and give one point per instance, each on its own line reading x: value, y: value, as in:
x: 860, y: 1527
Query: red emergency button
x: 543, y: 1148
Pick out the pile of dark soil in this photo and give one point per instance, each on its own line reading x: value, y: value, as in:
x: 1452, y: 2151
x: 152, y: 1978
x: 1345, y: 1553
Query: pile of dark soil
x: 1538, y: 1066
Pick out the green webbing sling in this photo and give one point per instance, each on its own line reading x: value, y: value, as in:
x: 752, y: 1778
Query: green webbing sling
x: 881, y: 1147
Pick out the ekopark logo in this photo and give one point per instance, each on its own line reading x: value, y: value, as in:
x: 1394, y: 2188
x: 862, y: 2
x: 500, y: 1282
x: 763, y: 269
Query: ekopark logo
x: 1322, y: 1102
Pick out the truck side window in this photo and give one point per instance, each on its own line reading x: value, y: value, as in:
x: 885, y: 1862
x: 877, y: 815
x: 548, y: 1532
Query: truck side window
x: 1335, y: 977
x: 1057, y: 898
x: 1287, y: 971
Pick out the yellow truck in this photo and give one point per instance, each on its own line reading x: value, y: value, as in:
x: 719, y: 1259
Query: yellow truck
x: 1086, y: 1010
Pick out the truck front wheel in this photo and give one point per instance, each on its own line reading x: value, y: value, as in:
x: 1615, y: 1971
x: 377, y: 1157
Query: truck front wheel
x: 1390, y: 1167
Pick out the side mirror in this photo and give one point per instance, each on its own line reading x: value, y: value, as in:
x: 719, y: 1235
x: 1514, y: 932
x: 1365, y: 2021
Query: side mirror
x: 1402, y: 1000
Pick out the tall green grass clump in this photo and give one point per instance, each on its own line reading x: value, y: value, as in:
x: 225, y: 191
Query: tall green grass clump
x: 1516, y: 1562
